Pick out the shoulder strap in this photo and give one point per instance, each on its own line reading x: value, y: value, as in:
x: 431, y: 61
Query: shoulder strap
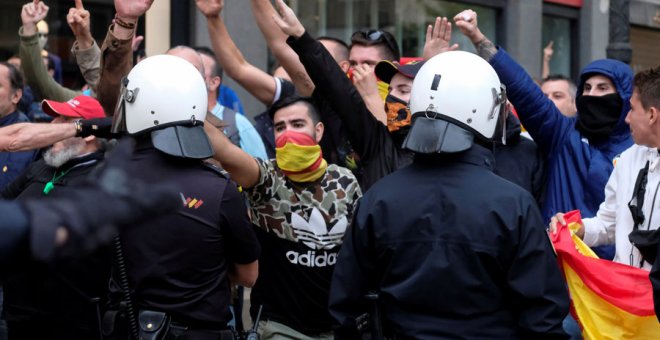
x: 231, y: 130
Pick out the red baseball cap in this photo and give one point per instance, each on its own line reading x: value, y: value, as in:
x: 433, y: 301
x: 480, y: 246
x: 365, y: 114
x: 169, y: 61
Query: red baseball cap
x: 84, y: 107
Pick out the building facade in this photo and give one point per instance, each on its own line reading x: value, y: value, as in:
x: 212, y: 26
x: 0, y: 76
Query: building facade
x: 578, y: 28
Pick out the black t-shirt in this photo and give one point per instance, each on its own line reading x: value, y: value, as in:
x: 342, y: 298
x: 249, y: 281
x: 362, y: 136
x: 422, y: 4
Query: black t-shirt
x: 179, y: 263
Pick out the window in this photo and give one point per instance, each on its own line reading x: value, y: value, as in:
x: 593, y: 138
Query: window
x: 406, y: 19
x: 560, y: 26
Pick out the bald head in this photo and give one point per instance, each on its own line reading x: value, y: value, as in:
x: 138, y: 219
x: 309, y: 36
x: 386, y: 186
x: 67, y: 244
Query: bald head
x: 189, y: 55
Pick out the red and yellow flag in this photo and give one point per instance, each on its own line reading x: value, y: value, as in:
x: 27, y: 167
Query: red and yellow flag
x: 609, y: 300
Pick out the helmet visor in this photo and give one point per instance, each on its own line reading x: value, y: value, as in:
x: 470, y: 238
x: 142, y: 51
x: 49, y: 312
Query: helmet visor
x: 119, y: 116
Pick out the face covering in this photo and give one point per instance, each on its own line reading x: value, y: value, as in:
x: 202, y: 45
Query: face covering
x: 398, y: 113
x: 598, y: 115
x: 299, y: 157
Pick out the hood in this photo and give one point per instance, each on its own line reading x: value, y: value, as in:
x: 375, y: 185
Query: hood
x: 621, y: 75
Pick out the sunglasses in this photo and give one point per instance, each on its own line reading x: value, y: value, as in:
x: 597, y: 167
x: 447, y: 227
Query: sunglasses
x: 372, y: 37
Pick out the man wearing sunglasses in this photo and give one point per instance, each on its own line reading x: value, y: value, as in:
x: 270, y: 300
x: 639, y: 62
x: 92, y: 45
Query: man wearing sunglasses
x: 631, y: 191
x: 371, y: 46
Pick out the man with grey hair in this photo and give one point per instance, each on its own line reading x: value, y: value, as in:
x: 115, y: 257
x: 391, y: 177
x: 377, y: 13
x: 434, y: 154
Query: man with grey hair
x: 64, y: 167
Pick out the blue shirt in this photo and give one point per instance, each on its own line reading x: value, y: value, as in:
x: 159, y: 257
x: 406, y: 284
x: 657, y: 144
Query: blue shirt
x: 12, y: 164
x: 250, y: 140
x: 227, y: 97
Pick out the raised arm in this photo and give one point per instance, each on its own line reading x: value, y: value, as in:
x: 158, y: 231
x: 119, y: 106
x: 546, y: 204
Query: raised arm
x: 85, y: 49
x: 259, y: 83
x: 276, y: 40
x: 34, y: 70
x: 537, y: 113
x: 332, y: 85
x: 547, y: 56
x: 243, y: 168
x: 117, y: 53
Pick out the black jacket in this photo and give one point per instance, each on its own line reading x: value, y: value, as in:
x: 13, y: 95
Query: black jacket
x: 453, y: 251
x: 520, y: 161
x: 379, y: 153
x: 62, y: 293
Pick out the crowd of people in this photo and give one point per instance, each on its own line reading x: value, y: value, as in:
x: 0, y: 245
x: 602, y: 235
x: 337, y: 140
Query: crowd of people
x: 377, y: 197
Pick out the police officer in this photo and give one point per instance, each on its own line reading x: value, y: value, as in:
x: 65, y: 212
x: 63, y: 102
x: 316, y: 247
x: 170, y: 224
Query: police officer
x: 172, y: 273
x: 451, y: 249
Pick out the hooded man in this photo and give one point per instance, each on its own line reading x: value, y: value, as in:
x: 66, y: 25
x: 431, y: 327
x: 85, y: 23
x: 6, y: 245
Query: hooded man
x: 581, y: 150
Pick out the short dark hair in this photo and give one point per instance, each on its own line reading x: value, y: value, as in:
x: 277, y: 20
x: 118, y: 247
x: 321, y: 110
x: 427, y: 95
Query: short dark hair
x: 340, y: 53
x: 217, y: 70
x: 309, y: 102
x: 647, y: 84
x: 384, y: 39
x: 15, y: 77
x: 572, y: 88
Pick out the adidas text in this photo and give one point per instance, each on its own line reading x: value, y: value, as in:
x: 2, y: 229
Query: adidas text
x: 311, y: 259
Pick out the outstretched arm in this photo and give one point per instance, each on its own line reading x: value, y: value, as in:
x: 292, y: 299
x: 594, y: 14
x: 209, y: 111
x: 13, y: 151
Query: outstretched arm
x: 364, y: 131
x: 537, y: 113
x: 117, y: 54
x: 34, y: 70
x: 263, y: 13
x: 547, y: 56
x: 466, y: 21
x: 243, y: 168
x: 30, y: 136
x: 87, y: 53
x: 259, y: 83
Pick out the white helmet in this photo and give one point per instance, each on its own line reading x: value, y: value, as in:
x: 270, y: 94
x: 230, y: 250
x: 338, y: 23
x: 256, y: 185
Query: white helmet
x: 455, y: 96
x: 165, y: 96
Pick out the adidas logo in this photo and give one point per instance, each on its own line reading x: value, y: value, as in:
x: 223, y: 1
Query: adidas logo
x: 315, y: 234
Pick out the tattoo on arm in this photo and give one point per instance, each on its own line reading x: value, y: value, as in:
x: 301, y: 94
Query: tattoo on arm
x: 485, y: 49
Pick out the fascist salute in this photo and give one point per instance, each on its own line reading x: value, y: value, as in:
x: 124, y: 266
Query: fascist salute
x: 302, y: 207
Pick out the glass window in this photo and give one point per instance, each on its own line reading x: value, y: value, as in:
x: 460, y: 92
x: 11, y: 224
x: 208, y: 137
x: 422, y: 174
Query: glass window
x: 412, y: 23
x: 558, y: 30
x: 406, y: 19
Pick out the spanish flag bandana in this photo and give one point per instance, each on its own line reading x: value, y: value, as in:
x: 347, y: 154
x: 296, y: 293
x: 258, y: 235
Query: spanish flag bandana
x: 299, y: 157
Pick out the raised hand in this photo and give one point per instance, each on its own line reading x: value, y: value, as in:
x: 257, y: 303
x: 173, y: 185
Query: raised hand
x: 210, y: 8
x: 365, y: 80
x: 78, y: 20
x: 437, y: 38
x: 31, y: 14
x: 131, y: 10
x: 287, y: 21
x: 548, y: 51
x: 466, y: 21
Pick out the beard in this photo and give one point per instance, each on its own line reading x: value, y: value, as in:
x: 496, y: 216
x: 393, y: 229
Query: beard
x: 71, y: 148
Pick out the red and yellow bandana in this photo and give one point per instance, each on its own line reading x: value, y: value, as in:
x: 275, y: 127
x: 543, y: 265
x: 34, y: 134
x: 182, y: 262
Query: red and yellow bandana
x: 299, y: 157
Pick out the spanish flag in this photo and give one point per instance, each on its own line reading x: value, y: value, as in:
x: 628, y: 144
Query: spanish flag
x: 609, y: 300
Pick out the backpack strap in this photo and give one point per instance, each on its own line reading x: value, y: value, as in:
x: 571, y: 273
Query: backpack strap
x: 231, y: 130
